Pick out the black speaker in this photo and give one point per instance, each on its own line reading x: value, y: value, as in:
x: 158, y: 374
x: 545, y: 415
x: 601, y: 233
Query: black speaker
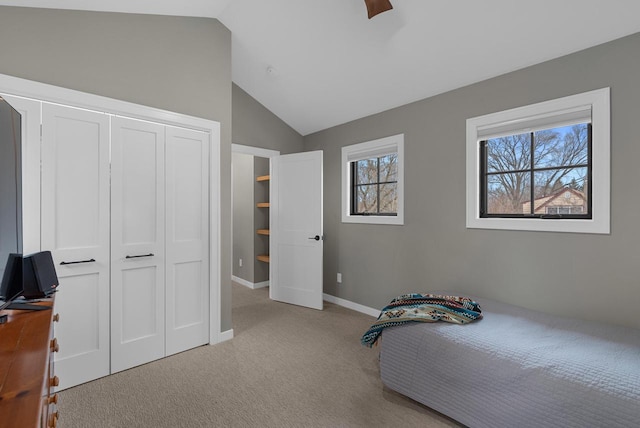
x: 11, y: 286
x: 39, y: 275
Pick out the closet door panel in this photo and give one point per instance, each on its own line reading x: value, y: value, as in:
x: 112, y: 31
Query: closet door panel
x: 139, y: 318
x: 77, y: 211
x: 84, y: 287
x: 187, y: 308
x: 137, y: 243
x: 187, y: 261
x: 75, y: 227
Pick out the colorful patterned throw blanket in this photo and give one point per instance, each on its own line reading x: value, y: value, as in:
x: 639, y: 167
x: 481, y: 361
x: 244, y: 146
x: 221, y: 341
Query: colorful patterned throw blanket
x: 416, y: 307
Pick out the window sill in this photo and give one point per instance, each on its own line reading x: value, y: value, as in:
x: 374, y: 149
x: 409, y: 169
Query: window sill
x: 542, y: 225
x: 372, y: 219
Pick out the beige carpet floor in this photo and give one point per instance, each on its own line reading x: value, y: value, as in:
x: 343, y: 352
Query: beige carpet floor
x: 287, y: 366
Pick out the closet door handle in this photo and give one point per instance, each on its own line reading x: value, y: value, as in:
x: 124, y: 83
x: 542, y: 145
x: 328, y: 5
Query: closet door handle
x: 140, y: 255
x: 78, y: 262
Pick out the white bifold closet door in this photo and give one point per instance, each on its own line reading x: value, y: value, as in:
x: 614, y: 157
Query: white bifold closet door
x: 75, y: 227
x: 187, y: 239
x: 137, y: 243
x: 159, y: 244
x: 130, y: 238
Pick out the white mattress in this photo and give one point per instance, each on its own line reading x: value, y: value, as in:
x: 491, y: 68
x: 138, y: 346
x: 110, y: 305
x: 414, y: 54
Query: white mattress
x: 518, y: 368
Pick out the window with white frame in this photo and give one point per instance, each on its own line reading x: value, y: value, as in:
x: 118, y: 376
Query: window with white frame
x: 373, y: 181
x: 541, y: 167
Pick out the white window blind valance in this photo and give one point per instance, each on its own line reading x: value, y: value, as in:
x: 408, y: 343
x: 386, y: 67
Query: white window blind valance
x: 526, y: 124
x: 371, y: 152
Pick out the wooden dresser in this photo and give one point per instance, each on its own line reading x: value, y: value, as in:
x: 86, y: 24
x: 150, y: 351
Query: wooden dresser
x: 26, y: 369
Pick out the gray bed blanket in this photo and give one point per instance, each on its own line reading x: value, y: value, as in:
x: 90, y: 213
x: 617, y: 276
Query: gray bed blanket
x: 518, y: 368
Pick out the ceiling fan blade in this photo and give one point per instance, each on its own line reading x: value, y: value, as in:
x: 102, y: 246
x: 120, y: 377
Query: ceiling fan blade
x: 375, y: 7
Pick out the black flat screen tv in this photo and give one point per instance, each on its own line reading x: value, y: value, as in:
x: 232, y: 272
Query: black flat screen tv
x: 11, y: 249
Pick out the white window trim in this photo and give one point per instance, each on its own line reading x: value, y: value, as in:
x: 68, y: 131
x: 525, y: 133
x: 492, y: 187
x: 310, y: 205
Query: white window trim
x: 599, y: 102
x: 392, y: 144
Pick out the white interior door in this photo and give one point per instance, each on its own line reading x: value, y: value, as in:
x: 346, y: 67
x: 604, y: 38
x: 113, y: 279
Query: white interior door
x: 187, y: 239
x: 137, y: 243
x: 296, y: 243
x: 75, y: 227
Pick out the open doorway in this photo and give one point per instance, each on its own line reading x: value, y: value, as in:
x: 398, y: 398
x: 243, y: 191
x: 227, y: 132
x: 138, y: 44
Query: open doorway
x: 250, y: 216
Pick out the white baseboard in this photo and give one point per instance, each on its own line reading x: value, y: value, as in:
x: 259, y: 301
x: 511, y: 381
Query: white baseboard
x: 351, y: 305
x: 262, y: 284
x: 226, y: 335
x: 241, y: 281
x: 248, y: 284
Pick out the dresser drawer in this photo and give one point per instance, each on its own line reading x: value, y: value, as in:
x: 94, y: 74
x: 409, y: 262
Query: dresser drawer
x: 27, y: 345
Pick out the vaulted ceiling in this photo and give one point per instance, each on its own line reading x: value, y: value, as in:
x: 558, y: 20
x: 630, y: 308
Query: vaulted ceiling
x: 320, y: 63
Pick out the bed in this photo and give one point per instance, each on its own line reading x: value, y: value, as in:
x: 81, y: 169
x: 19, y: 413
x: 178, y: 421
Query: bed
x: 517, y: 368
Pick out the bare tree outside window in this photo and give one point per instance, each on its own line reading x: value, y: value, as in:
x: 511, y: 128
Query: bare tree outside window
x: 524, y: 171
x: 375, y: 186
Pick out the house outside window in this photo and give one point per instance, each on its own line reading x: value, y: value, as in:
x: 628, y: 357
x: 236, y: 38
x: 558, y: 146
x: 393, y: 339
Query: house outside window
x: 372, y: 181
x: 542, y: 167
x: 564, y: 202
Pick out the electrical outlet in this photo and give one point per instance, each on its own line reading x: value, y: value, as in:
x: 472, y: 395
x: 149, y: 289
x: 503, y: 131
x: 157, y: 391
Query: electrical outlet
x: 339, y: 278
x: 240, y: 262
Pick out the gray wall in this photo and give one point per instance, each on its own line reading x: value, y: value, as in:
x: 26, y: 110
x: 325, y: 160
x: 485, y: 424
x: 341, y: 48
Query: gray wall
x: 173, y: 63
x: 578, y: 275
x: 243, y: 218
x: 255, y: 126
